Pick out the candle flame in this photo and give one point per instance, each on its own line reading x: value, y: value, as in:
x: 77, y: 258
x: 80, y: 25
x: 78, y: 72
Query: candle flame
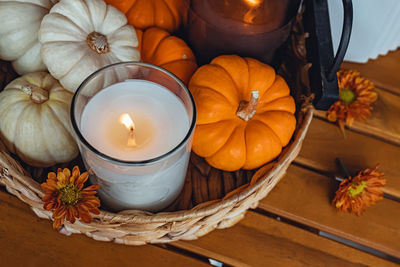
x: 251, y: 14
x: 126, y: 120
x: 253, y: 3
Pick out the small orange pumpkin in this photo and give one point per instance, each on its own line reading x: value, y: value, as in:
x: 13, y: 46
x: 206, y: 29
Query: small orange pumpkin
x: 142, y: 14
x: 158, y: 47
x: 245, y: 113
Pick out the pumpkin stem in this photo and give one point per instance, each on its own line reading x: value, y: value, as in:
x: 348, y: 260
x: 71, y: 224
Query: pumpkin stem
x: 246, y: 110
x: 38, y: 95
x: 98, y: 42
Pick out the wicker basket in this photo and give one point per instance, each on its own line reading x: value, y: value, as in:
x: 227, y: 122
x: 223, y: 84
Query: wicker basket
x: 211, y: 198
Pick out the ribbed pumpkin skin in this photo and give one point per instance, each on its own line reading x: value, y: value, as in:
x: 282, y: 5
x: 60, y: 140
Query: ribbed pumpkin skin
x: 142, y: 14
x: 39, y: 133
x: 20, y: 23
x: 158, y: 47
x: 65, y: 33
x: 226, y: 141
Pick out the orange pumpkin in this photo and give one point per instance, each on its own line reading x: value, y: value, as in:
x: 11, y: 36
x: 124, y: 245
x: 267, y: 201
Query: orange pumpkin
x: 158, y: 47
x: 142, y: 14
x: 245, y: 113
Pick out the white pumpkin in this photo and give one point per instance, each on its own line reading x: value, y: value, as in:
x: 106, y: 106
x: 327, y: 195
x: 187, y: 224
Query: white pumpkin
x: 79, y: 37
x: 20, y: 22
x: 35, y: 122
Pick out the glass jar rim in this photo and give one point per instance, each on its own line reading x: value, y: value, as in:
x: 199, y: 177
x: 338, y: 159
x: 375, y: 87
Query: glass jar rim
x: 141, y: 162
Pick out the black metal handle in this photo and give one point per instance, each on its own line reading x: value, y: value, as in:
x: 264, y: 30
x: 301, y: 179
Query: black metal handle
x: 344, y: 39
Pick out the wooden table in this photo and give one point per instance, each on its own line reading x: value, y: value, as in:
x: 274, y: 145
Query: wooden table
x: 294, y: 226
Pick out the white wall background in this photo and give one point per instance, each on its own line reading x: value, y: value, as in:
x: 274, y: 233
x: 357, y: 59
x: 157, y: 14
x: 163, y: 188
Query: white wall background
x: 376, y: 28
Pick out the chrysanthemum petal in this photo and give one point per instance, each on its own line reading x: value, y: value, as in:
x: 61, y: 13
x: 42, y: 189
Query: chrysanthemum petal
x: 48, y: 188
x: 57, y: 223
x: 88, y: 193
x: 86, y: 218
x: 52, y: 176
x: 60, y: 212
x: 66, y: 172
x: 91, y: 188
x: 75, y: 174
x: 61, y: 180
x: 71, y: 214
x: 82, y: 179
x: 48, y: 197
x: 49, y: 205
x: 95, y: 211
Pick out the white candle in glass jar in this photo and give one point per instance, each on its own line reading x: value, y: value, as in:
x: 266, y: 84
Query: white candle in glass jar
x: 160, y: 123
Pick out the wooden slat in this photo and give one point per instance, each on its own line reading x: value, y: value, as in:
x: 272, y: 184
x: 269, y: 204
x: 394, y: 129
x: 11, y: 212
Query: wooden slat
x: 26, y: 240
x: 304, y: 196
x: 258, y: 240
x: 324, y: 142
x: 383, y: 71
x: 384, y: 122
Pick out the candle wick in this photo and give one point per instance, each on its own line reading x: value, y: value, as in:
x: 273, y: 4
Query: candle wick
x: 132, y: 138
x: 250, y: 15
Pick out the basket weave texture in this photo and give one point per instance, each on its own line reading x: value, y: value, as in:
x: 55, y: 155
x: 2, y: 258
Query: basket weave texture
x: 210, y: 199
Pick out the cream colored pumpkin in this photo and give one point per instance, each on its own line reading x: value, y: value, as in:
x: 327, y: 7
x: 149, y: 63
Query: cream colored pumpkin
x: 35, y: 122
x: 79, y: 37
x: 20, y: 22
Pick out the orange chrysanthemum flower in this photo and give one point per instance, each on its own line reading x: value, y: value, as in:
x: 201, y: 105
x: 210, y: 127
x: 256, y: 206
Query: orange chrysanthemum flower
x: 356, y: 94
x: 66, y: 198
x: 359, y: 192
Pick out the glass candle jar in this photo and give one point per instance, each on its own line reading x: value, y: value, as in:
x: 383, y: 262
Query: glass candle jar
x: 251, y: 28
x: 134, y: 124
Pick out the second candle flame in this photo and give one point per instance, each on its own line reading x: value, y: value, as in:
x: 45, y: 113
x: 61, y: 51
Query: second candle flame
x: 253, y: 3
x: 127, y: 121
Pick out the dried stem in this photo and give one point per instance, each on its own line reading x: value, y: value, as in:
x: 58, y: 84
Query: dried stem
x: 98, y: 43
x: 38, y: 95
x: 246, y: 109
